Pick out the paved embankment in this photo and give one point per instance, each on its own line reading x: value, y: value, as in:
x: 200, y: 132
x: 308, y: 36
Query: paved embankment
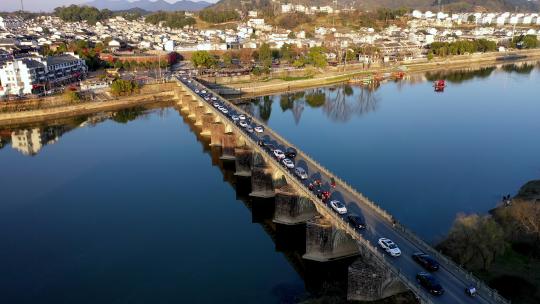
x: 82, y: 108
x: 257, y: 88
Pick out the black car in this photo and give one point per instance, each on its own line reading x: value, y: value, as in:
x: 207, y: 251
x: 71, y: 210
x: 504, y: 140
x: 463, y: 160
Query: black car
x: 426, y: 261
x: 356, y: 221
x: 430, y: 283
x: 290, y: 152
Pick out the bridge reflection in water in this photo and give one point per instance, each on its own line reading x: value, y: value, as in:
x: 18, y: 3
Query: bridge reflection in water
x: 322, y: 280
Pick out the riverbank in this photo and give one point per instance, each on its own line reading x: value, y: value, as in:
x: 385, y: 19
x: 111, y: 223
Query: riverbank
x: 280, y: 83
x: 149, y: 94
x: 512, y: 231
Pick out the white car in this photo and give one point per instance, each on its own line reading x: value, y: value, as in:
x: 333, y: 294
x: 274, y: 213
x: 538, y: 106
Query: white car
x: 389, y: 247
x: 300, y: 172
x: 214, y: 98
x: 242, y: 116
x: 288, y: 163
x: 207, y: 98
x: 225, y: 111
x: 216, y: 104
x: 203, y: 91
x: 279, y: 154
x: 235, y: 118
x: 243, y: 124
x: 197, y: 91
x: 259, y: 129
x: 338, y: 207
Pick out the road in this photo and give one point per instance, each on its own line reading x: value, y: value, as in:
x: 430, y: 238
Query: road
x: 377, y: 226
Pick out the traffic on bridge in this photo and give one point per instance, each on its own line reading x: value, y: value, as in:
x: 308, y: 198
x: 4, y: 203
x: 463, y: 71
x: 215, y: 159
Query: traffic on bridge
x: 430, y: 275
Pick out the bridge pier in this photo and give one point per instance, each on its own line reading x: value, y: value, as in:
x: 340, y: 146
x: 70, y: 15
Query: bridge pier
x: 228, y: 148
x: 291, y: 208
x: 242, y: 161
x: 325, y: 243
x: 262, y: 183
x: 217, y: 130
x: 370, y: 280
x: 207, y: 121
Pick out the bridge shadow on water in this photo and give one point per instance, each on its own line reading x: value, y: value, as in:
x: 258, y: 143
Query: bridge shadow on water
x: 321, y: 280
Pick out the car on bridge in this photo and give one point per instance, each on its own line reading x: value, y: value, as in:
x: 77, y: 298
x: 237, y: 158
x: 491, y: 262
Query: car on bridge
x: 288, y: 163
x: 291, y: 152
x: 243, y: 123
x: 300, y: 172
x: 338, y: 207
x: 259, y: 129
x: 242, y: 116
x: 389, y: 246
x: 425, y: 261
x: 430, y: 283
x: 322, y: 194
x: 279, y: 154
x: 356, y: 221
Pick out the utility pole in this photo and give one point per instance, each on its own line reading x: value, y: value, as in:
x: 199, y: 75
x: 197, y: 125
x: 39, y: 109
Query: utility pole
x: 22, y: 6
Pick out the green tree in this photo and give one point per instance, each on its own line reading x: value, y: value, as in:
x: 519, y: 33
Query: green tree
x: 316, y: 56
x: 121, y: 87
x: 218, y: 16
x: 471, y: 19
x: 265, y: 55
x: 227, y: 59
x: 203, y: 59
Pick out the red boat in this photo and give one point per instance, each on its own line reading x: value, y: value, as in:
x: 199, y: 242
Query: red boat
x: 439, y: 85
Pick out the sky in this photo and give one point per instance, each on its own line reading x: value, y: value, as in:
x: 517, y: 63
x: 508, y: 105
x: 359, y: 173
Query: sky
x: 43, y: 5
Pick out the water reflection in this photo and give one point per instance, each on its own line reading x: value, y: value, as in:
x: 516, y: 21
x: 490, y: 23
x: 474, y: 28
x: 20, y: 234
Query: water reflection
x: 31, y: 139
x: 342, y: 102
x: 321, y: 280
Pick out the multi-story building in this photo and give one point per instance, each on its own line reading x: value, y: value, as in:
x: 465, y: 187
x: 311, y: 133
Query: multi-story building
x: 35, y: 75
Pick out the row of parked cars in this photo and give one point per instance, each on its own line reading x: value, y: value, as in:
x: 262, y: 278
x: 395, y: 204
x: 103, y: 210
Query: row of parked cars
x: 286, y: 157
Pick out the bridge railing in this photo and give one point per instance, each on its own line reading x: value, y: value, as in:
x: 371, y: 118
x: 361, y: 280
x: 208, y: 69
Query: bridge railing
x: 450, y: 265
x: 454, y: 268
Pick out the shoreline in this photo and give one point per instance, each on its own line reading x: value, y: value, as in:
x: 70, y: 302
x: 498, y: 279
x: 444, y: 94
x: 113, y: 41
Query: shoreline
x: 164, y: 92
x: 262, y: 88
x: 34, y: 116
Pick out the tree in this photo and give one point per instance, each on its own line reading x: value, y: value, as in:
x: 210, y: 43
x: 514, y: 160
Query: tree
x: 471, y: 19
x: 203, y: 59
x: 218, y: 16
x: 121, y: 87
x: 227, y: 59
x: 287, y: 53
x: 265, y: 55
x: 291, y: 35
x: 475, y: 241
x: 72, y: 95
x: 316, y: 56
x: 430, y: 55
x: 176, y: 19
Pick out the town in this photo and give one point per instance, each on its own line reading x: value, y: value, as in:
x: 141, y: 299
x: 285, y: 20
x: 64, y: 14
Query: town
x: 44, y: 55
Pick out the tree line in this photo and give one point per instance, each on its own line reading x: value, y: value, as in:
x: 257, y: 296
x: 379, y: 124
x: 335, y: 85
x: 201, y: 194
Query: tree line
x: 176, y: 19
x: 218, y: 16
x: 75, y: 13
x: 461, y: 47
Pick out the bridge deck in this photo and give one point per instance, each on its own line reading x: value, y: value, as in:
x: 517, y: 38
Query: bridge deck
x: 379, y: 223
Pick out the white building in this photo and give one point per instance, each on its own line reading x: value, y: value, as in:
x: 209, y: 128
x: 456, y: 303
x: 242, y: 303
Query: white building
x: 33, y: 75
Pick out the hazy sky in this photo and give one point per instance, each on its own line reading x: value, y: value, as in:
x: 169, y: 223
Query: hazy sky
x: 42, y: 5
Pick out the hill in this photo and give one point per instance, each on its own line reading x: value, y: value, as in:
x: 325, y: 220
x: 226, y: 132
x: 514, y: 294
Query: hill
x: 448, y: 5
x: 147, y: 5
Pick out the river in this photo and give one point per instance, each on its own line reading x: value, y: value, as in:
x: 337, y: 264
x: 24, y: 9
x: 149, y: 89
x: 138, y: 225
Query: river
x: 132, y: 206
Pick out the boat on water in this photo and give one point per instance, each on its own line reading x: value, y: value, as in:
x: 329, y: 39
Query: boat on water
x: 439, y: 85
x: 511, y: 56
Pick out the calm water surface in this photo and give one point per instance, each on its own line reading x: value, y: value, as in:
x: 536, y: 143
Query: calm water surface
x: 134, y: 207
x: 423, y: 156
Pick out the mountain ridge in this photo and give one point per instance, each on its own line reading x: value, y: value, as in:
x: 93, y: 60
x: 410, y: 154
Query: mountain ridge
x: 147, y: 5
